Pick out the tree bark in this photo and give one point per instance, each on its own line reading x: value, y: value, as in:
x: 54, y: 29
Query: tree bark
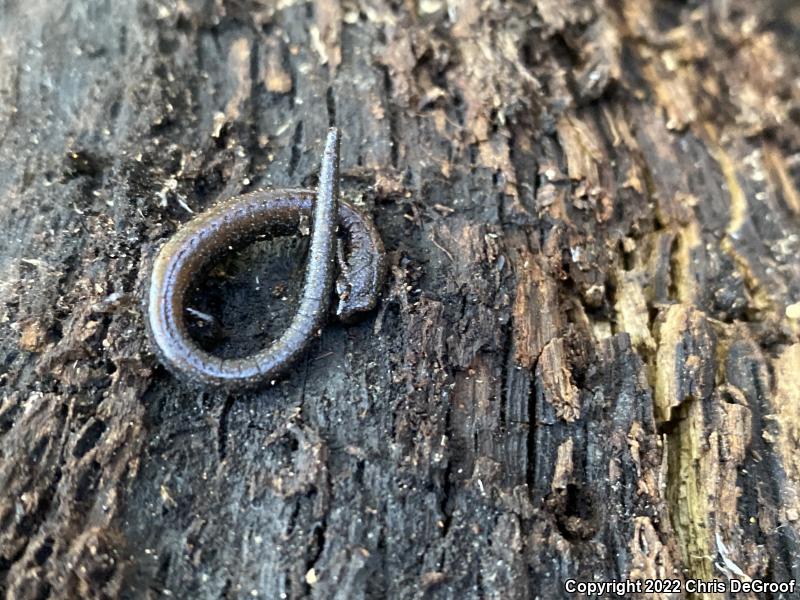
x: 584, y: 362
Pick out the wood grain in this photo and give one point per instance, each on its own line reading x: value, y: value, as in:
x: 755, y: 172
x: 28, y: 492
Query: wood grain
x: 584, y: 364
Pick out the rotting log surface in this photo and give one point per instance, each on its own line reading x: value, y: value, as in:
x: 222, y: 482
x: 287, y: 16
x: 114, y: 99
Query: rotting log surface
x: 585, y: 364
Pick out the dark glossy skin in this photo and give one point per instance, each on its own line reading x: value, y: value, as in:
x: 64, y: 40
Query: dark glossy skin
x: 236, y: 222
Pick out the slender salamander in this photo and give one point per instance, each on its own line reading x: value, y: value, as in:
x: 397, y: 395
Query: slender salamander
x: 359, y: 254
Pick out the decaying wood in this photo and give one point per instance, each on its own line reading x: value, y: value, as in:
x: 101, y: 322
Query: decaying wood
x: 585, y: 362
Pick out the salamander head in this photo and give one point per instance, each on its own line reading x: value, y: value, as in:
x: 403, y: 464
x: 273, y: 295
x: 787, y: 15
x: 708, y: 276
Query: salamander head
x: 356, y: 297
x: 358, y: 284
